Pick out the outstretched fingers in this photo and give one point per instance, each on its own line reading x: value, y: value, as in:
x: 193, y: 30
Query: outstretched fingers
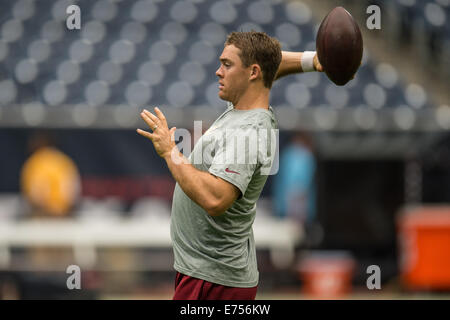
x: 147, y: 118
x: 161, y: 116
x: 151, y: 116
x: 145, y: 134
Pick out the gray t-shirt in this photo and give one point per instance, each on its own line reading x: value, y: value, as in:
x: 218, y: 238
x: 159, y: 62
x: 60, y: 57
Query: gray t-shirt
x: 239, y: 148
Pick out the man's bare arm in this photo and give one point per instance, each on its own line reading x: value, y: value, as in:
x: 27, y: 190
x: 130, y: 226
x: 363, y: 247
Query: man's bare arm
x: 212, y: 193
x: 291, y: 63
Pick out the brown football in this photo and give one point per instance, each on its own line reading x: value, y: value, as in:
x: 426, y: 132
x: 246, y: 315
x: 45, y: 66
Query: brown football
x: 339, y: 46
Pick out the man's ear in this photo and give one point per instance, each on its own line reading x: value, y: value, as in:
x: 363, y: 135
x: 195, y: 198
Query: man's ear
x: 255, y: 72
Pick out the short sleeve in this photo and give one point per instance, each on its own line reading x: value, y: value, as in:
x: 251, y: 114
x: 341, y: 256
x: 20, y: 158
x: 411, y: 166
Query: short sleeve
x: 236, y: 157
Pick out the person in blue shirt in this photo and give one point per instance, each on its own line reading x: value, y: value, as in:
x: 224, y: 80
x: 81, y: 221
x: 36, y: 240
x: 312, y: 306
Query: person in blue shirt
x: 294, y: 185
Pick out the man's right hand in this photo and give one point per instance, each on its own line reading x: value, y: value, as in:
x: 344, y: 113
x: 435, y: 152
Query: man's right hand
x: 317, y: 66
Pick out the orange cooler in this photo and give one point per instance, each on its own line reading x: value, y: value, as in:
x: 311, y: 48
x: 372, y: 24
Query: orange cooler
x: 327, y: 275
x: 424, y: 242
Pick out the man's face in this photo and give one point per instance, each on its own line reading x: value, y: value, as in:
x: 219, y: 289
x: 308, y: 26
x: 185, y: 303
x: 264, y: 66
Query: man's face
x: 233, y: 77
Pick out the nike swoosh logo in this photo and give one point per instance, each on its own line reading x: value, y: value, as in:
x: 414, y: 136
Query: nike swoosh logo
x: 231, y: 171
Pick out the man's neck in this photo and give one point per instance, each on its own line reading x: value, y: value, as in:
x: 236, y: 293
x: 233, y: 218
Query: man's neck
x: 254, y: 99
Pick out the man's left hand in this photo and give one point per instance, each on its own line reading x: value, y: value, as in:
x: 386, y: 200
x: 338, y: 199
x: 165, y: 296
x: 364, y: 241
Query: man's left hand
x: 163, y: 139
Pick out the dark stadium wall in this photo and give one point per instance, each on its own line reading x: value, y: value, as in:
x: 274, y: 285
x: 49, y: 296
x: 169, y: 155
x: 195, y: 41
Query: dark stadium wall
x: 357, y: 206
x: 436, y: 173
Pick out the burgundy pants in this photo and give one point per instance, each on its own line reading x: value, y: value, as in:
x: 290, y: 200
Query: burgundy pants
x: 189, y: 288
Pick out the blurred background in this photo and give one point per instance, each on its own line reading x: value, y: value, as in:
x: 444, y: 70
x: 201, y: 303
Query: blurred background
x: 364, y: 175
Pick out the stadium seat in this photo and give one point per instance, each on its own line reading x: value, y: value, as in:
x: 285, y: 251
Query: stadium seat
x: 143, y: 52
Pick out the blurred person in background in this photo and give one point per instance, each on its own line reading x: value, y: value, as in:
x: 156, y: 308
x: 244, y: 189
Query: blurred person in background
x: 50, y: 180
x: 294, y: 191
x: 294, y: 185
x: 50, y: 184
